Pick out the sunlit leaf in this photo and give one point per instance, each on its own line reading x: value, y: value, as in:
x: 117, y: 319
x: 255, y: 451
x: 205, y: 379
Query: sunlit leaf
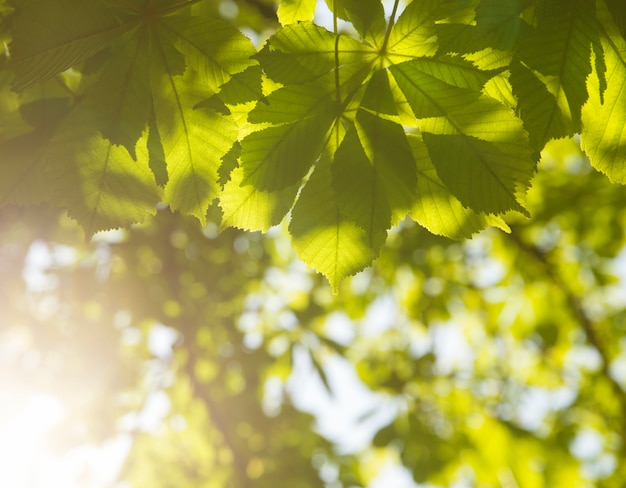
x: 246, y: 207
x: 497, y: 166
x: 322, y: 237
x: 99, y: 182
x: 437, y: 209
x: 304, y: 52
x: 604, y: 118
x: 50, y: 37
x: 193, y: 140
x: 119, y: 101
x: 367, y: 16
x: 560, y: 47
x: 290, y: 11
x: 545, y: 116
x: 277, y: 157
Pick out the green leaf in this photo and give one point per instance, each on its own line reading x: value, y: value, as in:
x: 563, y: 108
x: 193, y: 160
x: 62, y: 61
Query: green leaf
x: 304, y: 52
x: 323, y: 238
x: 246, y: 207
x: 478, y: 146
x: 415, y: 34
x: 22, y: 166
x: 603, y: 137
x: 119, y: 102
x: 454, y: 71
x: 215, y: 49
x: 545, y: 116
x: 560, y: 47
x: 277, y: 157
x: 243, y: 87
x: 290, y: 11
x: 485, y: 176
x: 373, y: 170
x: 49, y: 37
x: 437, y: 209
x: 98, y: 182
x: 499, y: 24
x: 367, y: 17
x: 616, y: 7
x: 193, y: 140
x: 358, y: 191
x: 155, y: 152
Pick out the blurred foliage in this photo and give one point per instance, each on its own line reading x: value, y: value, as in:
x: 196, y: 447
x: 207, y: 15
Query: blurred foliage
x: 502, y: 357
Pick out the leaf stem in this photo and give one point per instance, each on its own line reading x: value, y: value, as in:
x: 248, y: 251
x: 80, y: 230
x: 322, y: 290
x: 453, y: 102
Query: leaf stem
x: 336, y: 31
x: 392, y: 20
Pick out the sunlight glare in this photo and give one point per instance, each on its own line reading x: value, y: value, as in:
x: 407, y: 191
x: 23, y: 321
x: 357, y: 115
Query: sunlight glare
x: 23, y: 435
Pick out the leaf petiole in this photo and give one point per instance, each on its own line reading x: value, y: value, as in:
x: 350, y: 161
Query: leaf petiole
x: 392, y: 19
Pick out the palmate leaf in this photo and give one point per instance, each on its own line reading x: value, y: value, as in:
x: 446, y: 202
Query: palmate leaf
x: 616, y: 8
x: 480, y: 149
x: 98, y: 182
x: 274, y: 160
x: 490, y: 37
x: 213, y: 48
x: 193, y: 140
x: 49, y: 37
x: 603, y: 136
x: 243, y: 87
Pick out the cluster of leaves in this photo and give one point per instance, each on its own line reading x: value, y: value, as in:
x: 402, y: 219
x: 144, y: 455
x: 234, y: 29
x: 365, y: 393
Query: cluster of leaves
x: 438, y: 112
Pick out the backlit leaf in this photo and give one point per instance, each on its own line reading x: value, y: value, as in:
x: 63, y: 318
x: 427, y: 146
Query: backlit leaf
x: 98, y: 182
x: 560, y: 47
x: 246, y: 207
x: 49, y: 37
x: 545, y: 117
x: 193, y: 140
x: 290, y: 11
x: 277, y: 157
x: 436, y: 208
x: 323, y: 238
x: 459, y: 124
x: 367, y: 16
x: 604, y: 118
x: 304, y: 52
x: 119, y: 102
